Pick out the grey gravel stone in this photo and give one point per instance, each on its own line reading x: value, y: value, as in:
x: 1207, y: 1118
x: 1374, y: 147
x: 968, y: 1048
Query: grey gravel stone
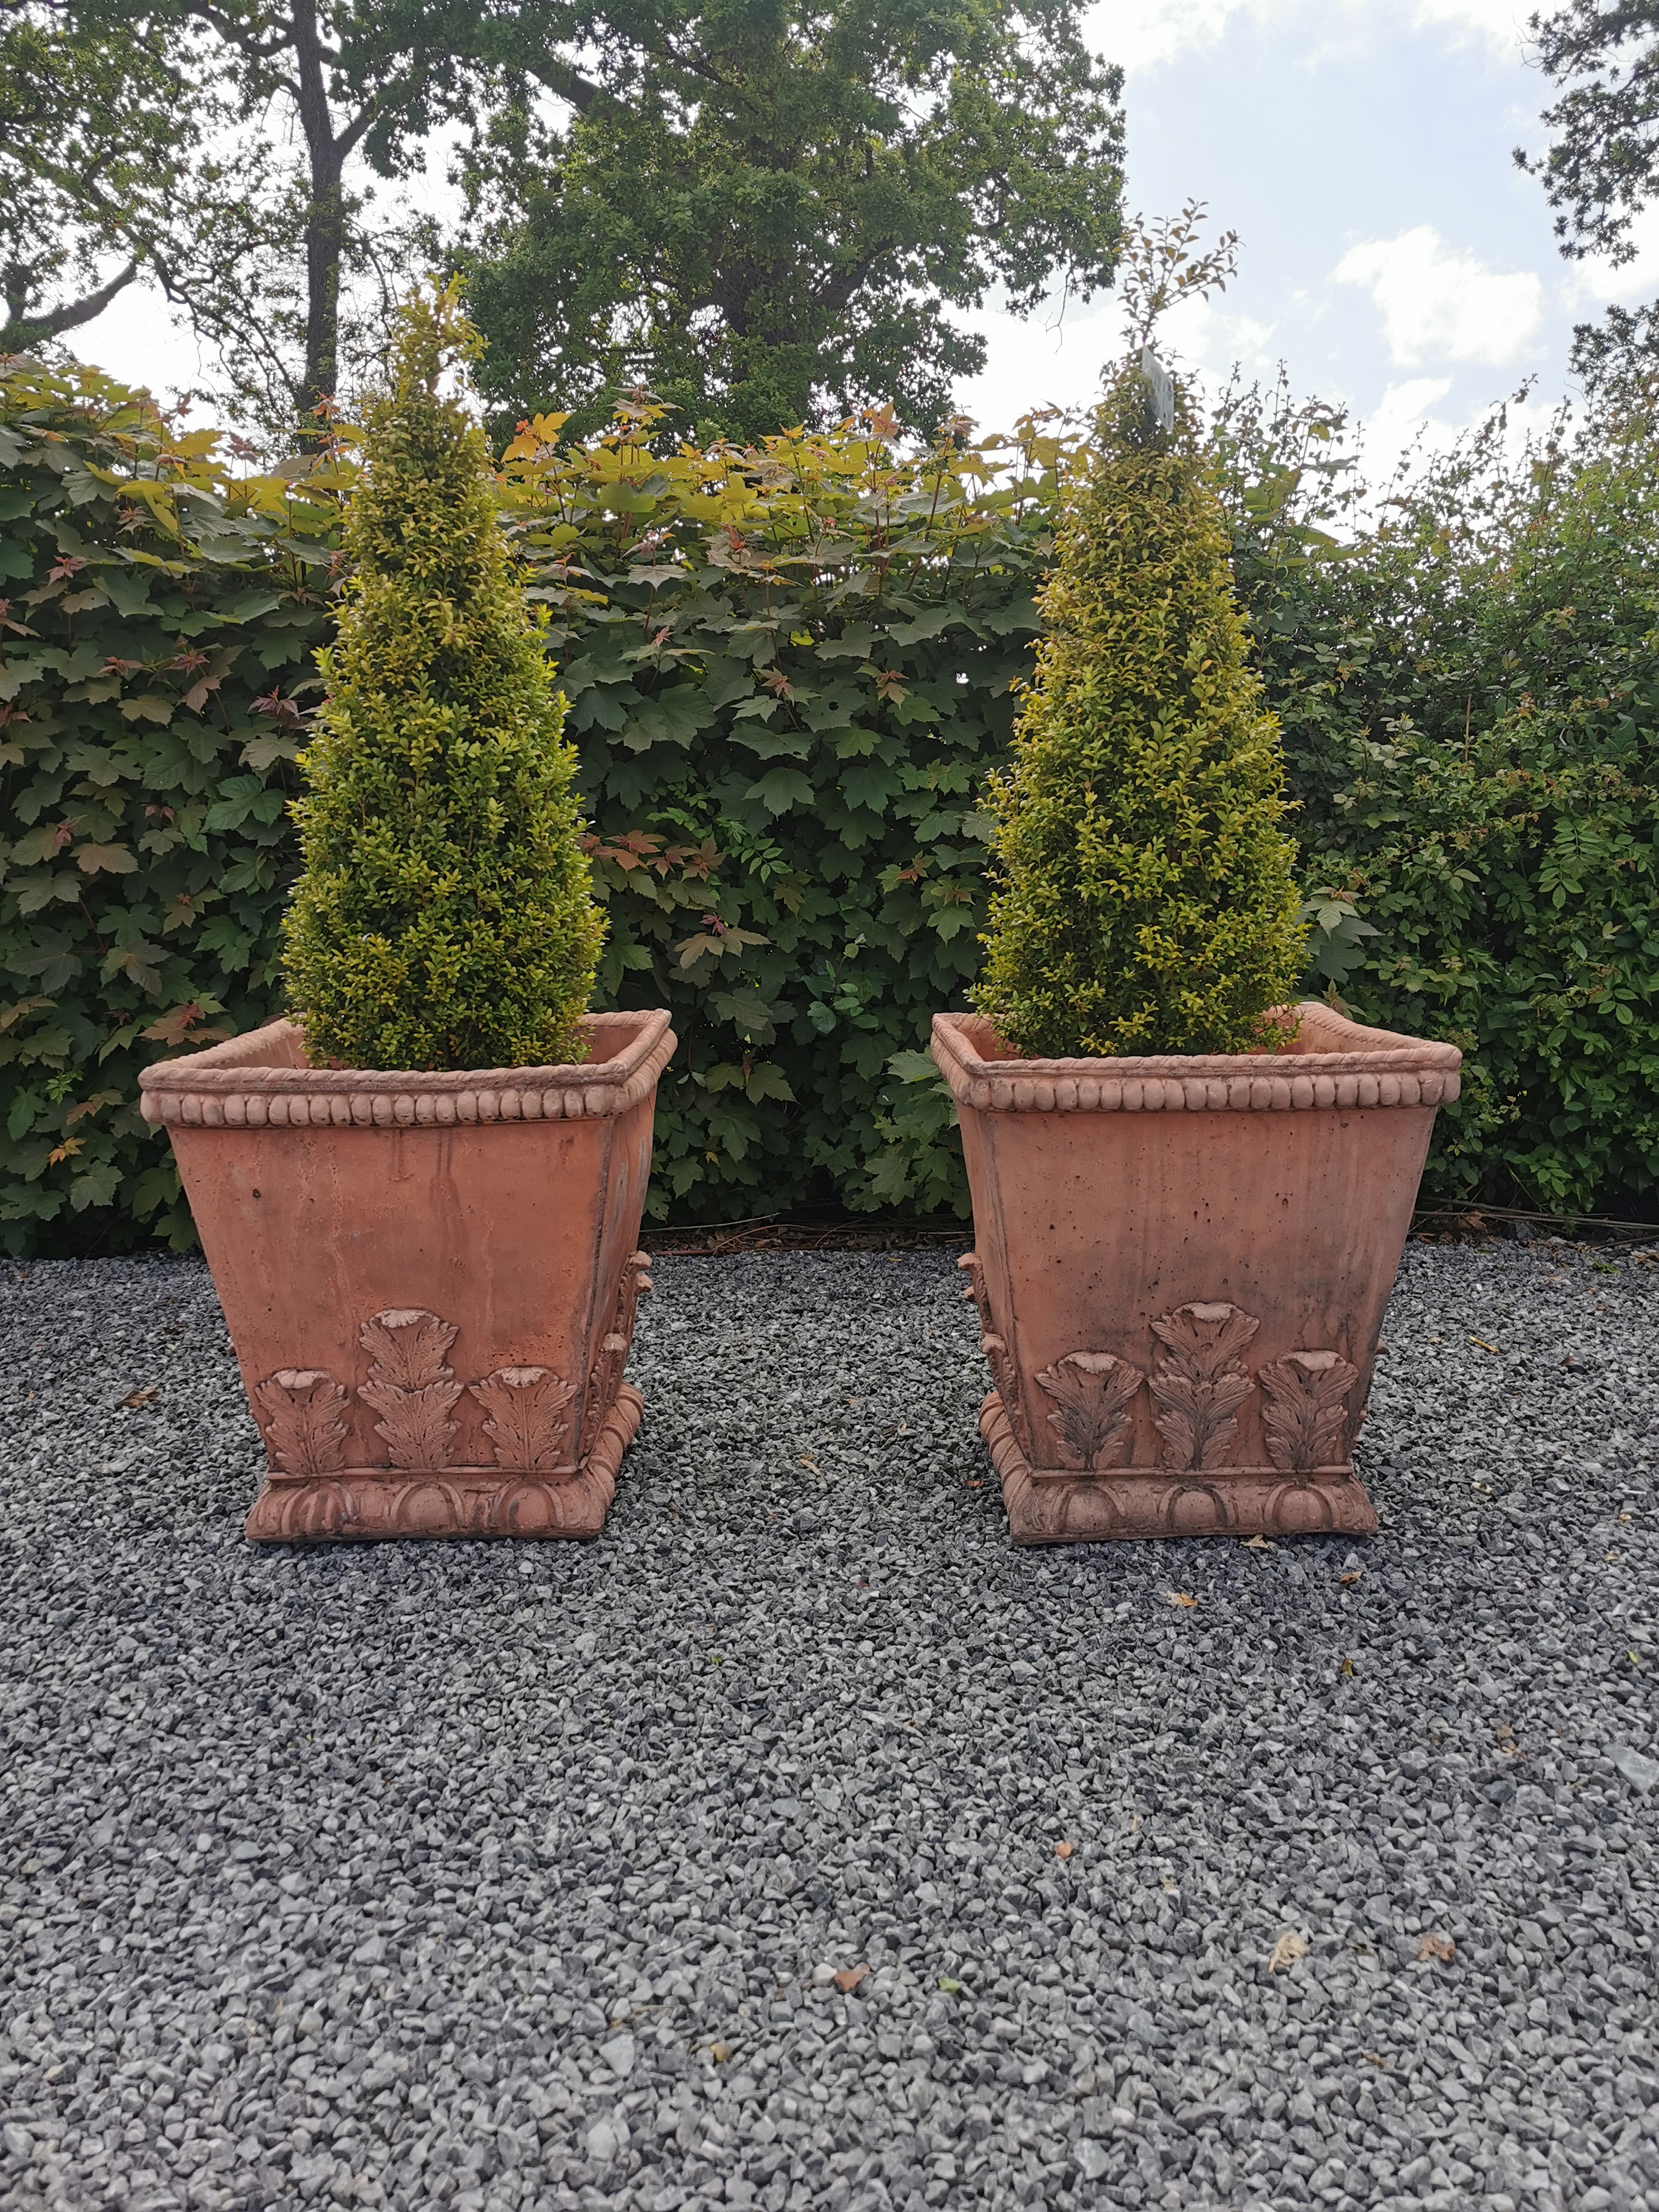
x: 493, y: 1877
x: 1641, y: 1773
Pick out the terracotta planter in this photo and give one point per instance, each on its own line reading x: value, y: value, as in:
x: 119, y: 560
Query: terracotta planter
x: 1181, y: 1271
x: 430, y: 1280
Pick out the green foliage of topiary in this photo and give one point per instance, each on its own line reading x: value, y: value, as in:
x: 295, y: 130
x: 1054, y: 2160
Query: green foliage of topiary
x: 444, y: 916
x: 1145, y: 899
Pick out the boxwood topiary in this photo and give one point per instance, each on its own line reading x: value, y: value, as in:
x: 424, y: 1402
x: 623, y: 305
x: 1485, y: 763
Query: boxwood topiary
x: 444, y: 915
x: 1144, y: 897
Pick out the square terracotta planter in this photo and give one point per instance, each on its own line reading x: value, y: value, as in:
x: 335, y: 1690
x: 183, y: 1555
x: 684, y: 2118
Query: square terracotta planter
x: 430, y: 1280
x: 1180, y: 1269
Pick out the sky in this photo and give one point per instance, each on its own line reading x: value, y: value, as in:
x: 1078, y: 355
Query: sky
x: 1392, y: 255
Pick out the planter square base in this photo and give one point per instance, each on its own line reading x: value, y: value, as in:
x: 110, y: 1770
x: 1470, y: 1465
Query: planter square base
x: 369, y: 1502
x: 1057, y: 1505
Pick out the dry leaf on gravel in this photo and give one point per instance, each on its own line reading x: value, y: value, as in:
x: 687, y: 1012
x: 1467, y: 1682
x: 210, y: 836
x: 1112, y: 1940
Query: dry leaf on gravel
x: 1291, y: 1946
x: 849, y: 1977
x: 1256, y: 1544
x: 1484, y: 1346
x: 720, y: 2053
x: 1436, y: 1947
x: 1180, y: 1597
x: 1348, y: 1581
x: 810, y: 1463
x: 145, y: 1396
x: 1064, y: 1850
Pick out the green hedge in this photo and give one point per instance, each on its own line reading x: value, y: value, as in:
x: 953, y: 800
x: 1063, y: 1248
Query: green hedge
x: 1469, y: 695
x: 788, y: 672
x: 156, y: 635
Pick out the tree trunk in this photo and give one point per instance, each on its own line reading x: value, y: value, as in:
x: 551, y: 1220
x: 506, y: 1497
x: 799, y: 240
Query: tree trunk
x: 325, y: 216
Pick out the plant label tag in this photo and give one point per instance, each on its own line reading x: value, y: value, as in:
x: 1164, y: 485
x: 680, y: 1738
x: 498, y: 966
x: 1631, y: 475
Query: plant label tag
x: 1160, y: 391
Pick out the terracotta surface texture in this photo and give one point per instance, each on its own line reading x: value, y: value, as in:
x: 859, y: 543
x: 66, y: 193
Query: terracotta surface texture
x: 1182, y: 1268
x: 431, y: 1281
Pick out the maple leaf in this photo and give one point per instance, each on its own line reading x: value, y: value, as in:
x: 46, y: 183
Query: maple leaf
x: 1436, y: 1947
x: 849, y: 1977
x: 66, y: 1150
x: 1182, y: 1598
x: 181, y: 1027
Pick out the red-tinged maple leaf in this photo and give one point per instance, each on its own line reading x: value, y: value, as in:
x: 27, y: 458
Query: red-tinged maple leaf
x: 889, y: 685
x: 778, y: 685
x: 181, y: 1027
x: 188, y: 660
x: 17, y: 628
x: 153, y: 813
x: 278, y: 708
x: 117, y: 667
x: 67, y: 566
x: 9, y: 714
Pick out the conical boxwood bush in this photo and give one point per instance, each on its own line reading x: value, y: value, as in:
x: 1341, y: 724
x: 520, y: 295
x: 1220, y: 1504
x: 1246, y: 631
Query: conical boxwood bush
x: 1144, y: 894
x: 443, y: 916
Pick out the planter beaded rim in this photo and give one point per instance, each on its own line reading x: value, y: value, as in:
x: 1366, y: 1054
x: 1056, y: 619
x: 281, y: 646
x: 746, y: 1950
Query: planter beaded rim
x: 260, y: 1080
x: 1332, y: 1062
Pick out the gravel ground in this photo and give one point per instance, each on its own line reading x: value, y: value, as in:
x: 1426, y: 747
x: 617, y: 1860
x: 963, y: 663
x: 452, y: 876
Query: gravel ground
x: 800, y: 1844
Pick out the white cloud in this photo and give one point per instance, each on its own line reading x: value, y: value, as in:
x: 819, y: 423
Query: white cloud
x: 1439, y: 304
x: 1141, y: 33
x: 1500, y: 22
x: 1203, y: 336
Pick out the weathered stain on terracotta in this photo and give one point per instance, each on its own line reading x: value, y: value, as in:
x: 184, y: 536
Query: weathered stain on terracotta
x: 431, y: 1281
x: 1181, y: 1272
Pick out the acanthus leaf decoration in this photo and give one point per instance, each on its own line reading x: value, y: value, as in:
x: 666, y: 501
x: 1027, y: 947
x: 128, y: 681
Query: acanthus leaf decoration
x: 1200, y: 1382
x: 994, y: 1349
x: 1093, y: 1392
x: 1305, y: 1418
x: 604, y: 1378
x: 410, y: 1385
x: 305, y: 1432
x: 524, y: 1409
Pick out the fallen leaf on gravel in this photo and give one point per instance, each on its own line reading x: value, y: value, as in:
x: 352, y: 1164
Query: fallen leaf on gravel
x: 1064, y: 1850
x: 1346, y: 1670
x: 720, y: 2053
x: 1348, y: 1581
x: 849, y: 1977
x: 1436, y: 1947
x: 810, y: 1463
x: 1613, y: 1558
x: 1484, y: 1346
x: 142, y: 1397
x: 1169, y: 1884
x: 950, y: 1988
x: 1180, y: 1597
x: 1374, y: 2058
x: 1256, y: 1544
x: 1291, y: 1946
